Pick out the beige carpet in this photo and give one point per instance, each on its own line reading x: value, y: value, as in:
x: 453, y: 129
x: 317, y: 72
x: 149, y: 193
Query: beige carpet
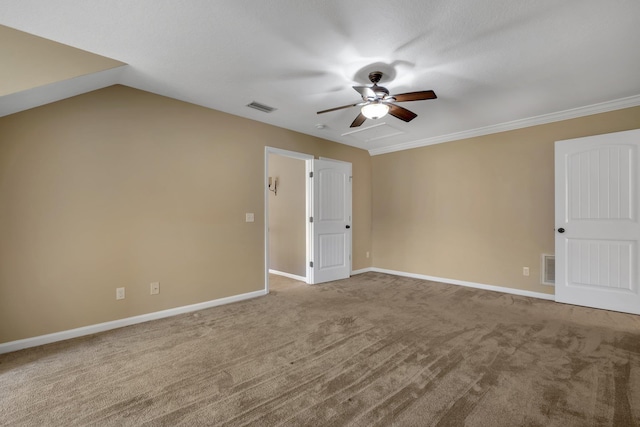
x: 372, y: 350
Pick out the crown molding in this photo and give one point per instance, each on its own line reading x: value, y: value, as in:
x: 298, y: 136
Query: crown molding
x: 603, y: 107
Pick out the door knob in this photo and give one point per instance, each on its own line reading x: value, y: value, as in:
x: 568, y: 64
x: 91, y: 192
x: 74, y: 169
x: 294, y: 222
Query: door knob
x: 348, y: 226
x: 560, y: 230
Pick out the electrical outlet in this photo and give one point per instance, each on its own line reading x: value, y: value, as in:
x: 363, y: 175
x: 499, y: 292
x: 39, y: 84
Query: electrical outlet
x: 525, y: 271
x: 155, y: 288
x: 367, y: 254
x: 249, y: 217
x: 119, y: 293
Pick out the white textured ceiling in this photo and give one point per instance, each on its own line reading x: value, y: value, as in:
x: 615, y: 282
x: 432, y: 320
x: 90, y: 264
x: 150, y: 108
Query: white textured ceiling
x: 494, y: 64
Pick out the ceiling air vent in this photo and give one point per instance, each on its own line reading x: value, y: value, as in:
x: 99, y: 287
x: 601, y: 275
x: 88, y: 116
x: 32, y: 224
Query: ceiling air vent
x: 548, y: 270
x: 261, y: 107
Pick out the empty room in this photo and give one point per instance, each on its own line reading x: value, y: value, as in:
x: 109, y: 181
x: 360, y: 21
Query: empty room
x: 412, y: 213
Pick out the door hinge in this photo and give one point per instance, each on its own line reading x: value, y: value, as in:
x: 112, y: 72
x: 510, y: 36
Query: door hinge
x: 310, y: 174
x: 350, y: 178
x: 311, y: 264
x: 310, y: 219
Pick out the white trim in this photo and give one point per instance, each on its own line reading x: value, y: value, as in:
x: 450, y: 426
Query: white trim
x: 289, y: 275
x: 287, y: 153
x: 128, y: 321
x: 513, y: 291
x: 101, y: 327
x: 603, y: 107
x: 41, y: 95
x: 308, y: 211
x: 334, y: 160
x: 362, y: 271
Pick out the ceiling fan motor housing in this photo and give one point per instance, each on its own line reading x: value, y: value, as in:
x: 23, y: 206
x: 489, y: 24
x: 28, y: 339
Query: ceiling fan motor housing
x: 379, y: 91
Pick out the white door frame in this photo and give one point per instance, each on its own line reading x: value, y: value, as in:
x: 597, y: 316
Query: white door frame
x: 307, y: 160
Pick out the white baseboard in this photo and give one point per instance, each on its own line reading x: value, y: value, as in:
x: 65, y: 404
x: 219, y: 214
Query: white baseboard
x: 289, y: 275
x: 101, y: 327
x: 505, y: 290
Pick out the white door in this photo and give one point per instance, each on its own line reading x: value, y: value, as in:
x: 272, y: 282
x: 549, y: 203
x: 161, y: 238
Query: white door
x: 597, y: 229
x: 331, y: 224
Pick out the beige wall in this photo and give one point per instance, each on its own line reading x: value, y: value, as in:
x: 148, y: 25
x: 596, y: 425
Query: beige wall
x: 478, y: 209
x: 29, y: 61
x: 120, y: 187
x: 287, y: 213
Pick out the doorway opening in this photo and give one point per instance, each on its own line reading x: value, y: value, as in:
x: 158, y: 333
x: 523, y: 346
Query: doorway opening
x: 286, y: 212
x: 307, y: 217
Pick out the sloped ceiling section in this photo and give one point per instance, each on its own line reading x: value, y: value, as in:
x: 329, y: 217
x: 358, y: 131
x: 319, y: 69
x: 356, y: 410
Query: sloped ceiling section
x: 37, y: 71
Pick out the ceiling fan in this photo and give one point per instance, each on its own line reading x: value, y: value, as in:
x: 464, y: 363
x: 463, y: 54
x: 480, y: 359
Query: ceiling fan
x: 376, y: 102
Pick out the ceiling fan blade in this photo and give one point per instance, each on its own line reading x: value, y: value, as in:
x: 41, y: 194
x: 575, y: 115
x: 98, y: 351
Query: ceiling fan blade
x: 365, y: 91
x: 337, y: 108
x: 415, y: 96
x: 401, y: 113
x: 358, y: 121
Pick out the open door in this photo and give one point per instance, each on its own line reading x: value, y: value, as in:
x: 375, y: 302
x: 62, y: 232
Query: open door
x: 597, y: 227
x: 330, y: 224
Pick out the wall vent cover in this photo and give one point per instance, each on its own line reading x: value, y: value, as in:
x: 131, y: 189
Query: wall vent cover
x: 261, y: 107
x: 548, y: 270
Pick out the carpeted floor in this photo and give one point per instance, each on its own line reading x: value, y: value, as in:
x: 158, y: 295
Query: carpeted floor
x: 371, y: 350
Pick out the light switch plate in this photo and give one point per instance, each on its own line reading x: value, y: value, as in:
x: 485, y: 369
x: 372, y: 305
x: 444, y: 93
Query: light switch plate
x: 154, y: 288
x: 249, y: 217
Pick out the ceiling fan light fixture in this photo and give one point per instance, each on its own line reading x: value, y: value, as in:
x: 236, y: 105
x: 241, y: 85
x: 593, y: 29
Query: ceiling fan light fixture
x: 377, y: 102
x: 375, y: 110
